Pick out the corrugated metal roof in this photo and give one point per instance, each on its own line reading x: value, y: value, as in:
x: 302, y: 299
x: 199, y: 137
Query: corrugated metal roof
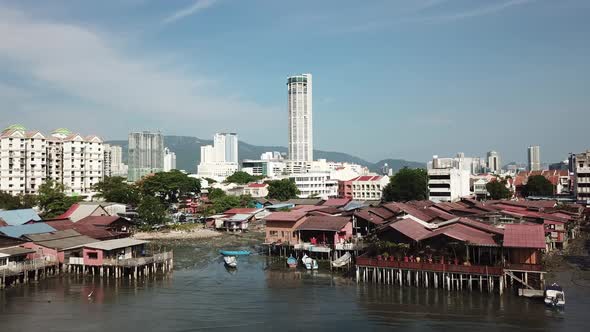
x: 115, y: 244
x: 16, y: 251
x: 19, y: 217
x: 20, y: 230
x: 324, y: 223
x: 410, y: 228
x: 464, y: 233
x: 285, y: 216
x: 524, y: 236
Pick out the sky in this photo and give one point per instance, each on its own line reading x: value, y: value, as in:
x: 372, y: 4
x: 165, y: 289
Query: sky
x: 392, y: 78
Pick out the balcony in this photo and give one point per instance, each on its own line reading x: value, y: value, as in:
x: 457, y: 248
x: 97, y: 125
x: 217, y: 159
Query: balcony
x: 432, y: 267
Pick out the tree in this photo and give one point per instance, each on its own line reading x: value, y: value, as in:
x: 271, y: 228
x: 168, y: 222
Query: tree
x: 537, y: 185
x: 282, y: 190
x: 241, y: 177
x: 225, y: 203
x: 116, y: 189
x: 52, y: 199
x: 497, y: 190
x: 10, y: 202
x: 407, y: 185
x: 152, y: 211
x: 215, y: 193
x: 169, y: 187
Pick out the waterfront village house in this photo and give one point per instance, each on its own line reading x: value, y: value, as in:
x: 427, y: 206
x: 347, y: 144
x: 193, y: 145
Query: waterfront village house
x: 281, y: 227
x: 367, y: 219
x: 325, y: 231
x: 523, y: 243
x: 258, y: 213
x: 94, y: 231
x: 18, y: 217
x: 111, y: 223
x: 60, y: 244
x: 407, y: 230
x: 238, y: 222
x: 256, y: 190
x: 12, y: 252
x: 83, y: 210
x: 107, y: 252
x: 20, y: 230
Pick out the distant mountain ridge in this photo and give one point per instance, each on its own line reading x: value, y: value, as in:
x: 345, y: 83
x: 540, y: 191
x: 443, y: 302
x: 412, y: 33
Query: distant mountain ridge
x: 188, y: 154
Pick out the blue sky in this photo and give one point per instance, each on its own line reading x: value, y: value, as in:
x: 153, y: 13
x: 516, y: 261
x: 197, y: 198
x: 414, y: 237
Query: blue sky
x: 392, y: 79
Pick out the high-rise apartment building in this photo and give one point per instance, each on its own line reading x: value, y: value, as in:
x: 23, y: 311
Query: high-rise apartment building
x: 581, y: 167
x: 113, y: 161
x: 28, y: 158
x: 299, y: 89
x: 534, y: 158
x: 219, y: 160
x: 169, y: 160
x: 493, y: 162
x: 146, y: 154
x: 447, y: 182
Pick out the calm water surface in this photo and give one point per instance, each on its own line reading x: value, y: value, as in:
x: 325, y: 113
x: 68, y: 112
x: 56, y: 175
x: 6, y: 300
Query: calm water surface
x: 202, y: 295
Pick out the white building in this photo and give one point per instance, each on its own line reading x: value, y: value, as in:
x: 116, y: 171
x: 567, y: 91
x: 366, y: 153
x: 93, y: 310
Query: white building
x: 493, y: 162
x: 368, y: 187
x: 473, y: 165
x: 534, y: 158
x: 299, y: 89
x: 146, y: 154
x: 27, y: 159
x: 256, y: 190
x: 447, y: 183
x: 219, y: 160
x: 169, y: 160
x: 113, y: 161
x: 315, y: 185
x: 264, y: 167
x: 581, y: 167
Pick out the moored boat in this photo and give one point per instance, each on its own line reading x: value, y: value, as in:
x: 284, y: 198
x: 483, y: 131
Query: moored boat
x: 310, y: 263
x: 343, y: 260
x: 234, y: 252
x: 554, y: 296
x: 292, y: 262
x: 230, y: 261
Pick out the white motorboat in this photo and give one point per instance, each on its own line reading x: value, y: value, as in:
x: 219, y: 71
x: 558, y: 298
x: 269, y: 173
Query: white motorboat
x: 554, y: 296
x: 310, y: 263
x: 230, y: 261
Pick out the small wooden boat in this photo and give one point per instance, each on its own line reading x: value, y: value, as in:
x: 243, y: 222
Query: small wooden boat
x: 230, y: 261
x: 234, y: 252
x: 292, y: 262
x: 343, y: 260
x: 554, y: 296
x: 310, y: 263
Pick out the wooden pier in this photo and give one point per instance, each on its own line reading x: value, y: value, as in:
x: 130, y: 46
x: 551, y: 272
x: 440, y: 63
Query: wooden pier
x: 27, y: 271
x: 132, y: 268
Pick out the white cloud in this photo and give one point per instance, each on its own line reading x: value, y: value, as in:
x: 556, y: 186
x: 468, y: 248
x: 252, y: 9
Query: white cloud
x: 476, y: 12
x: 196, y: 7
x: 80, y: 64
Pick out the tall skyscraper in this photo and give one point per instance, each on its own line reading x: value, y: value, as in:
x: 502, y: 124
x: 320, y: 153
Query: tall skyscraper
x: 146, y: 154
x: 220, y: 159
x: 169, y: 160
x: 299, y: 88
x: 493, y: 162
x: 534, y: 156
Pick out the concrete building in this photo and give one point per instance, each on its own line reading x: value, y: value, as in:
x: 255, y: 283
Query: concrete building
x: 28, y: 158
x: 447, y: 183
x: 146, y: 154
x: 493, y: 162
x: 315, y: 185
x: 169, y: 160
x: 113, y: 161
x: 299, y: 89
x: 473, y: 165
x: 264, y: 167
x: 534, y: 158
x: 366, y: 187
x: 581, y: 166
x: 219, y: 160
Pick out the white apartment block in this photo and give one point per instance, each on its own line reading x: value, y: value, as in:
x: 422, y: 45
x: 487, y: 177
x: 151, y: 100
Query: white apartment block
x: 169, y: 160
x: 299, y: 89
x: 113, y: 161
x: 27, y: 159
x: 315, y: 185
x: 368, y: 187
x: 493, y: 162
x: 534, y: 158
x: 581, y: 167
x: 473, y: 165
x: 264, y: 167
x: 219, y: 160
x: 447, y: 184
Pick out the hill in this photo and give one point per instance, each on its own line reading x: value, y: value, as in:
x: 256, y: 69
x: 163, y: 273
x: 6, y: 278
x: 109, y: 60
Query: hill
x: 188, y: 153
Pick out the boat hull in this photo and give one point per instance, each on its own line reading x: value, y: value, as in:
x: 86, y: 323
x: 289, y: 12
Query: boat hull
x: 234, y: 252
x: 230, y: 261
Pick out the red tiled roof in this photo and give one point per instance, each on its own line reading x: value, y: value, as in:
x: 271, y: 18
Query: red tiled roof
x: 524, y: 236
x: 285, y: 216
x: 241, y: 211
x: 60, y: 224
x: 365, y: 214
x: 337, y: 202
x: 257, y: 185
x: 409, y: 209
x: 463, y: 233
x: 98, y: 220
x: 367, y: 178
x: 324, y: 223
x: 410, y: 228
x: 87, y: 229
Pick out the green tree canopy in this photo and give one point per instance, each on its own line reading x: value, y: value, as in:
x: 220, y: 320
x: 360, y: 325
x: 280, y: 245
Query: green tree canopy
x: 169, y: 186
x: 116, y: 189
x: 537, y: 185
x: 10, y: 202
x: 497, y: 190
x: 152, y: 211
x: 52, y: 199
x: 215, y: 193
x: 407, y: 185
x: 282, y: 190
x: 241, y: 177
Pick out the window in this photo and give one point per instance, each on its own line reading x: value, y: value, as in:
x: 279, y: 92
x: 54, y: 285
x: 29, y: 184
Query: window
x: 92, y: 255
x: 273, y: 233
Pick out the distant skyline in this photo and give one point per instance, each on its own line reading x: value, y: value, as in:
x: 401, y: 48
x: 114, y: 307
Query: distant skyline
x: 392, y: 79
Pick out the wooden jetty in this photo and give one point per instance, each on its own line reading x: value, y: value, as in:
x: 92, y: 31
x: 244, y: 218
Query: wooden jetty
x: 27, y: 271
